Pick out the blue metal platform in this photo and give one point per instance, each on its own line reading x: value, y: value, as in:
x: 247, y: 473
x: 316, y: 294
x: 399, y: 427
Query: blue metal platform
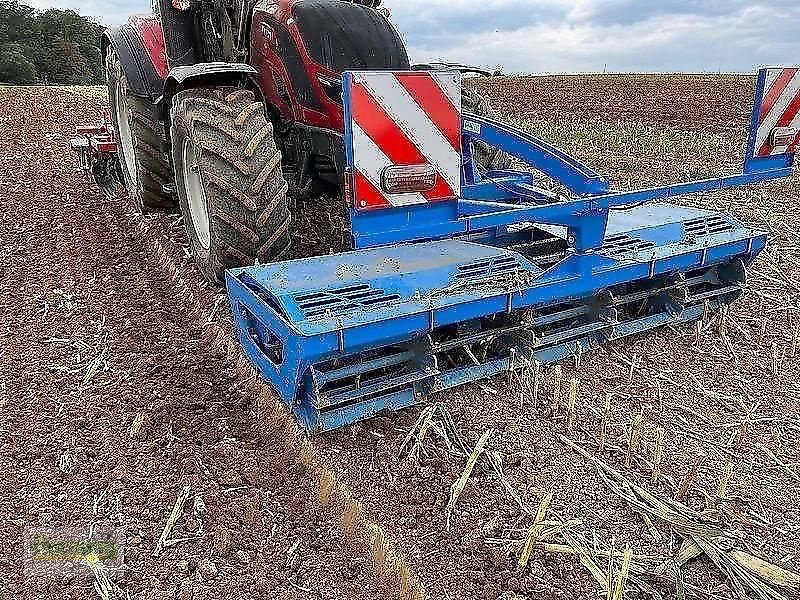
x: 297, y: 315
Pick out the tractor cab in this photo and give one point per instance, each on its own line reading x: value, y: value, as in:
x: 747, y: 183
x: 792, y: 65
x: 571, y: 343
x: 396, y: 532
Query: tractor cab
x: 300, y: 49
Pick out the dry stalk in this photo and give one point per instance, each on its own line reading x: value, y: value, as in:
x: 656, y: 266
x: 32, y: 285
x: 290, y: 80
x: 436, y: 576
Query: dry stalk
x: 689, y: 477
x: 352, y: 514
x: 767, y: 571
x: 174, y: 515
x: 537, y: 373
x: 724, y: 480
x: 610, y: 573
x: 650, y: 526
x: 458, y: 486
x: 407, y: 586
x: 104, y: 587
x: 722, y: 324
x: 622, y: 577
x: 587, y: 559
x: 418, y: 432
x: 523, y: 382
x: 380, y: 549
x: 536, y: 529
x: 634, y: 438
x: 136, y: 425
x: 307, y: 453
x: 327, y: 485
x: 573, y: 395
x: 658, y: 454
x: 557, y: 375
x: 565, y: 549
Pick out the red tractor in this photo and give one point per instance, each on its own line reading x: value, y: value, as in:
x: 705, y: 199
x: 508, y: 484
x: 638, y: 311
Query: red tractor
x: 217, y: 104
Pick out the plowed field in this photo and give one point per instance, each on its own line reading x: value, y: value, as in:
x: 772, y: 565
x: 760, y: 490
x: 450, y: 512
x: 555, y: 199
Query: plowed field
x: 122, y: 391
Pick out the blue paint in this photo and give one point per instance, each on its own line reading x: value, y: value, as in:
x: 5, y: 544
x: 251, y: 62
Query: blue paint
x: 441, y: 294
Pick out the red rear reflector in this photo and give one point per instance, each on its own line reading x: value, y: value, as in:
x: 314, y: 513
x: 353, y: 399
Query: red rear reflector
x: 404, y: 179
x: 783, y: 136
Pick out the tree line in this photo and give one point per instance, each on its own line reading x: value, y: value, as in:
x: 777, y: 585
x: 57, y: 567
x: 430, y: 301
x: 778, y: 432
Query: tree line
x: 48, y: 47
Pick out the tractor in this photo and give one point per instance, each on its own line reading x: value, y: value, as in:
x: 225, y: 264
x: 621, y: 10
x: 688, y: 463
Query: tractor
x: 461, y: 268
x: 219, y: 106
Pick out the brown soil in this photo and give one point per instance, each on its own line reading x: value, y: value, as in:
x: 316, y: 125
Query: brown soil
x: 78, y: 282
x: 113, y: 400
x: 683, y: 101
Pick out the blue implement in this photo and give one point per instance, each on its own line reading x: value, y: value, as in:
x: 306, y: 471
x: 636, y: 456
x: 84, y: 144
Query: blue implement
x: 445, y: 290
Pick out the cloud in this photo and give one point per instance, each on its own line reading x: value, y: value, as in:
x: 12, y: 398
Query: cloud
x: 107, y: 12
x: 575, y: 35
x: 597, y: 35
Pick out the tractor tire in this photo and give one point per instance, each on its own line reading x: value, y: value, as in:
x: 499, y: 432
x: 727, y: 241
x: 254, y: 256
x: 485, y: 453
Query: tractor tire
x: 145, y: 167
x: 487, y: 157
x: 229, y: 181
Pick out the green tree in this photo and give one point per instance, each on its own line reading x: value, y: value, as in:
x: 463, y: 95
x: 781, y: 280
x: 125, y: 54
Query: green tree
x: 95, y: 63
x: 16, y: 69
x: 65, y: 65
x: 19, y: 24
x: 63, y: 46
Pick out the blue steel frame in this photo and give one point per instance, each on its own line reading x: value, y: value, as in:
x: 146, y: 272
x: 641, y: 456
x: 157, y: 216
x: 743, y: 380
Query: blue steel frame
x: 751, y: 161
x: 505, y: 198
x: 292, y: 348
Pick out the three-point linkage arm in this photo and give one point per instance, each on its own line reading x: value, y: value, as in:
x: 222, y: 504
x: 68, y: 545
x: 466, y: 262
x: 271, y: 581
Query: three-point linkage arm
x: 493, y: 201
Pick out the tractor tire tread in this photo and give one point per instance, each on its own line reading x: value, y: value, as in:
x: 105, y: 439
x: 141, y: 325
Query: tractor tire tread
x: 145, y: 187
x: 273, y: 205
x: 244, y: 187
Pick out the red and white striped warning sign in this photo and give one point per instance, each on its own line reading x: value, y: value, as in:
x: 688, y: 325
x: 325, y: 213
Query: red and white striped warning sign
x: 779, y: 113
x: 406, y: 138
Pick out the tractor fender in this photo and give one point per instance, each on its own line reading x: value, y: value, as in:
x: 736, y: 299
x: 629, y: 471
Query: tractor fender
x: 207, y: 74
x: 204, y: 75
x: 139, y: 45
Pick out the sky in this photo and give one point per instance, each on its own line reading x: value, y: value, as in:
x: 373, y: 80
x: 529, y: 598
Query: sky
x: 556, y: 36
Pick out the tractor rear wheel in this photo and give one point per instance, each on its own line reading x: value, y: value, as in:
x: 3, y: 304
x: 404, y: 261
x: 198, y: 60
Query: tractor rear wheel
x: 487, y: 157
x: 229, y: 180
x: 145, y: 168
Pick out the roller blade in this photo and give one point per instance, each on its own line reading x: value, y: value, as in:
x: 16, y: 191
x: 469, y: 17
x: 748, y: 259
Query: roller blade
x: 344, y: 337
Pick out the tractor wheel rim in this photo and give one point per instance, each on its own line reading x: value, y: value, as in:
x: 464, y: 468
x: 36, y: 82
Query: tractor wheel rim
x: 125, y: 135
x: 196, y: 195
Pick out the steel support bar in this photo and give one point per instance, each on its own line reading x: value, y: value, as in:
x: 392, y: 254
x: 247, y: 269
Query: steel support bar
x: 577, y: 177
x: 586, y: 212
